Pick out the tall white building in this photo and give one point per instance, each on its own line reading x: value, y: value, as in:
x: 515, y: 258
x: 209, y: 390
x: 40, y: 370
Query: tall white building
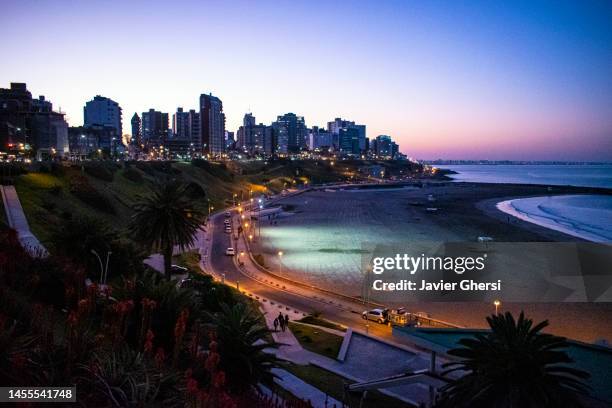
x: 103, y: 111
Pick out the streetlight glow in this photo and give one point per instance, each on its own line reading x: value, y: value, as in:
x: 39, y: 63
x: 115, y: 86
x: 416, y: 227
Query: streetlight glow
x: 497, y: 303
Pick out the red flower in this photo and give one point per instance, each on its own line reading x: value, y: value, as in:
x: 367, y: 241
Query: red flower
x: 160, y: 357
x: 148, y: 346
x: 192, y: 386
x: 18, y: 361
x: 219, y: 379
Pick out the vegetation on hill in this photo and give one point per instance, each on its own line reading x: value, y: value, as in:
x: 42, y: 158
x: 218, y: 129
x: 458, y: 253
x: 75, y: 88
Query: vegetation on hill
x: 140, y: 339
x: 108, y: 190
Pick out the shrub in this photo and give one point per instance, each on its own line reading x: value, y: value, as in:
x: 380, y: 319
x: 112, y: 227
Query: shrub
x: 99, y: 171
x: 157, y: 166
x: 84, y: 191
x: 56, y: 190
x: 217, y: 170
x: 57, y: 169
x: 195, y: 191
x: 133, y: 175
x: 48, y: 205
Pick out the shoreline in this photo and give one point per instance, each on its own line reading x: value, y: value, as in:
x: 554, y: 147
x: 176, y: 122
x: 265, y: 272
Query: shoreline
x: 323, y: 230
x: 550, y: 221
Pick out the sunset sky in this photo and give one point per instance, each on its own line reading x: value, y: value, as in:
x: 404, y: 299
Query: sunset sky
x: 446, y: 79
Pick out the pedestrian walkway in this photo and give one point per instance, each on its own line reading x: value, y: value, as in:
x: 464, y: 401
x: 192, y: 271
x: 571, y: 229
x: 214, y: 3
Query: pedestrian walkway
x: 303, y: 390
x: 17, y: 220
x: 290, y: 348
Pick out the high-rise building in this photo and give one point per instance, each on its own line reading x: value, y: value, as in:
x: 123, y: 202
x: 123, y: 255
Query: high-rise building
x: 230, y: 140
x: 212, y: 119
x: 384, y: 147
x: 337, y: 124
x: 319, y: 138
x: 27, y: 123
x: 85, y: 140
x: 194, y: 124
x: 290, y: 133
x: 136, y: 130
x: 103, y: 111
x: 254, y: 139
x: 180, y: 125
x: 154, y: 127
x: 348, y: 141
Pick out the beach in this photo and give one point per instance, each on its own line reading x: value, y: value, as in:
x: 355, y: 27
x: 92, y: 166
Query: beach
x: 584, y: 216
x: 322, y: 233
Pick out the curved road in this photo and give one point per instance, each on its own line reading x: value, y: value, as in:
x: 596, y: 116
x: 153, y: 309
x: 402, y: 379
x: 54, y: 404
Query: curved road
x: 299, y: 298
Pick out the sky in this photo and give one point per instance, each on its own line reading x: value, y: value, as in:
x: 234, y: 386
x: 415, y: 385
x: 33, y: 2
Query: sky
x: 488, y: 79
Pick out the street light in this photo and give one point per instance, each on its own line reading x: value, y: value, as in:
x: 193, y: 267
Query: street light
x: 103, y: 269
x: 280, y: 262
x: 496, y: 303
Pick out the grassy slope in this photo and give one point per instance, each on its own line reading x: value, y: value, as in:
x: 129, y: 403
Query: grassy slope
x: 46, y: 208
x: 316, y: 340
x: 333, y: 385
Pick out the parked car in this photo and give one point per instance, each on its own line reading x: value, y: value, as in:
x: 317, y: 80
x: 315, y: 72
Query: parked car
x: 377, y: 315
x: 228, y: 214
x: 230, y: 252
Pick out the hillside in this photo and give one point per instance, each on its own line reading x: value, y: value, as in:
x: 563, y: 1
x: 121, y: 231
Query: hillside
x: 106, y: 190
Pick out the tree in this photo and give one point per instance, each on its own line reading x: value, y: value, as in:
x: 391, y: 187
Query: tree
x: 165, y: 219
x: 514, y: 365
x: 242, y: 338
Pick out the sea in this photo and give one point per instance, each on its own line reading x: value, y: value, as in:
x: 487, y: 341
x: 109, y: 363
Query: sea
x: 587, y: 216
x: 581, y: 175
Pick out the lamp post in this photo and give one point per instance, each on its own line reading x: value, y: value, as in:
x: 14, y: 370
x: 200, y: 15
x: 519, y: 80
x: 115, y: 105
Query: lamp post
x: 496, y: 303
x: 280, y: 263
x: 103, y: 269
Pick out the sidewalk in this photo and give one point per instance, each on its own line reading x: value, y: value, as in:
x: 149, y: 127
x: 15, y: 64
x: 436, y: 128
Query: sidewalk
x: 17, y: 220
x: 303, y: 390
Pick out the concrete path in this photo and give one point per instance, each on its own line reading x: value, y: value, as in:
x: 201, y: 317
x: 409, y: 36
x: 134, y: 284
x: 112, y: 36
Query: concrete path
x: 17, y: 220
x: 303, y: 390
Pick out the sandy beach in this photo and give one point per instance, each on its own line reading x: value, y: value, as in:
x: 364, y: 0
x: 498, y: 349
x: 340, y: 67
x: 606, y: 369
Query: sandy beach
x: 322, y: 234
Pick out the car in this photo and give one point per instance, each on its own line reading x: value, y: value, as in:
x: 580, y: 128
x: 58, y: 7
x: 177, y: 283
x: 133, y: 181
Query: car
x: 228, y: 214
x: 377, y: 315
x: 227, y: 222
x: 228, y: 230
x: 230, y: 252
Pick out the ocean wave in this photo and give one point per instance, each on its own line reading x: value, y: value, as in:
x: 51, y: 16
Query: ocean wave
x: 585, y: 216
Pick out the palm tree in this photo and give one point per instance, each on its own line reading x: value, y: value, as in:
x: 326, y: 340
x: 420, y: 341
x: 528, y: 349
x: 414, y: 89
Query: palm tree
x: 242, y: 337
x: 514, y: 365
x: 165, y: 219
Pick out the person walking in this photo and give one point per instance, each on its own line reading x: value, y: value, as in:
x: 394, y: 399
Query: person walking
x: 286, y: 320
x: 276, y: 324
x: 281, y: 320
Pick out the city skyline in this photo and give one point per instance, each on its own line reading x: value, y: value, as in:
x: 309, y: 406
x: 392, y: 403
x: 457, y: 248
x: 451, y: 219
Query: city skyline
x: 446, y: 81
